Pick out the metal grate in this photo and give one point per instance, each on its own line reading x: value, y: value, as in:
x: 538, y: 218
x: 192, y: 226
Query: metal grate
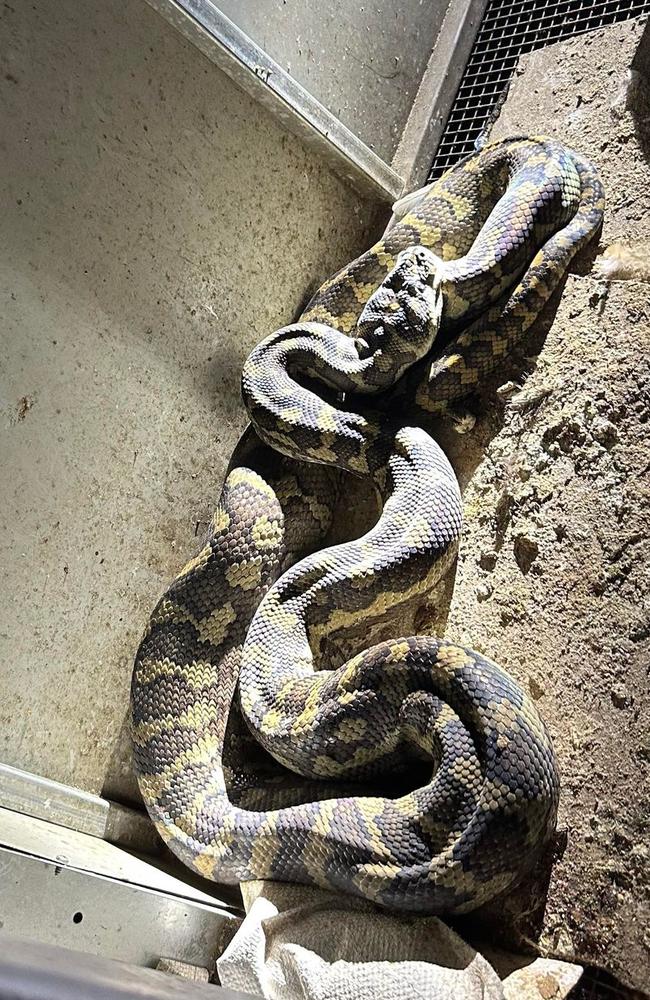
x: 508, y: 30
x: 599, y: 985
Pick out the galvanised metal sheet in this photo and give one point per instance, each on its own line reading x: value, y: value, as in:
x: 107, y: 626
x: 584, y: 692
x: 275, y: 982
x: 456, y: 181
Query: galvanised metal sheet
x: 68, y: 888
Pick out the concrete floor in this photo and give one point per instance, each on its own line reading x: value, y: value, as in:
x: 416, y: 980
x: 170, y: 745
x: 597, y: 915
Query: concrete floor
x: 156, y: 225
x: 363, y: 61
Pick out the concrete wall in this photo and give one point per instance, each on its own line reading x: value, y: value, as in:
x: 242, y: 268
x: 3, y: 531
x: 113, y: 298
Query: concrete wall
x: 156, y: 225
x: 364, y: 62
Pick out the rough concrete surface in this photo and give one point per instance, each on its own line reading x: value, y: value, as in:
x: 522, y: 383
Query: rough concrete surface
x: 553, y: 579
x: 156, y: 225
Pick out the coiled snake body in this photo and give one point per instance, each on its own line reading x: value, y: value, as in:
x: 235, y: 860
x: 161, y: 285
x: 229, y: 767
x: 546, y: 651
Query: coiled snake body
x: 252, y: 627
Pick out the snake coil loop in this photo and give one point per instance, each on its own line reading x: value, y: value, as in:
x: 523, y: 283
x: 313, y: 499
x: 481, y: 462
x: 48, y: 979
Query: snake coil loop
x: 264, y: 751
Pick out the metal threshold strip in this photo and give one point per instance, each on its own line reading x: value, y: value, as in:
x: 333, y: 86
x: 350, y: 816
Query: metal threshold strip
x: 261, y: 77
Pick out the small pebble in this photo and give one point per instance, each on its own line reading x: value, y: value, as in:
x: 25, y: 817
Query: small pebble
x: 537, y: 690
x: 604, y: 431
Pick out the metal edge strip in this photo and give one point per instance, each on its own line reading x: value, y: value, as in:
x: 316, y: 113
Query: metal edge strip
x: 75, y: 809
x: 213, y: 906
x: 437, y: 91
x: 254, y: 71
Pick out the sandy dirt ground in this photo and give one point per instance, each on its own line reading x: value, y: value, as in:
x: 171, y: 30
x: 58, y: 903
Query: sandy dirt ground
x: 553, y: 577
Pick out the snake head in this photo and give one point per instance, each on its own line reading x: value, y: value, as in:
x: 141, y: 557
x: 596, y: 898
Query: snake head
x: 401, y: 319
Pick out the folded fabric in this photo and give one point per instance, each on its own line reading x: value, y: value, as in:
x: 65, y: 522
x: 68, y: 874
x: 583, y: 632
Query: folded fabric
x: 301, y: 943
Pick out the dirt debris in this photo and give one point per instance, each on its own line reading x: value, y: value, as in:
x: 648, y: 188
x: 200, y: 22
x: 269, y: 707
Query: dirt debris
x: 23, y: 407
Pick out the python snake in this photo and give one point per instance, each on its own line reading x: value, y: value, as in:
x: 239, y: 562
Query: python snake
x: 251, y: 637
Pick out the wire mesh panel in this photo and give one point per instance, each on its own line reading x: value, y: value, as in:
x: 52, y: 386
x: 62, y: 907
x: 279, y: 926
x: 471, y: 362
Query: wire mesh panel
x: 508, y: 30
x: 599, y: 985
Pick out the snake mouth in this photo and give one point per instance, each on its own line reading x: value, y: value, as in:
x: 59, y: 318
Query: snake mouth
x: 364, y: 350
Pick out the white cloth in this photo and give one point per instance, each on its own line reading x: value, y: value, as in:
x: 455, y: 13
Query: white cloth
x: 299, y: 943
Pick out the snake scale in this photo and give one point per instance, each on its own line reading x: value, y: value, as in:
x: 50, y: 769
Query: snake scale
x: 251, y: 636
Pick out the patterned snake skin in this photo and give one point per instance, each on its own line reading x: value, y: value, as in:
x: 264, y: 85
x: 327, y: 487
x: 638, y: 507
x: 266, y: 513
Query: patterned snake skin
x: 253, y: 636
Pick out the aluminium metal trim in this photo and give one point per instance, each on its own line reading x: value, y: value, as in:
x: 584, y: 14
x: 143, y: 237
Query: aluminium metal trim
x: 265, y: 80
x: 35, y: 838
x: 65, y: 887
x: 75, y: 809
x: 438, y: 88
x: 104, y: 916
